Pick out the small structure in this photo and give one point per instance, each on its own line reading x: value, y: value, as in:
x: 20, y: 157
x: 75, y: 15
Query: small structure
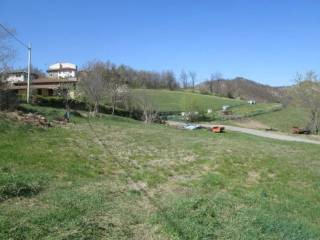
x: 62, y: 70
x: 18, y: 76
x: 61, y: 76
x: 209, y: 111
x: 225, y: 107
x: 252, y: 102
x: 45, y: 86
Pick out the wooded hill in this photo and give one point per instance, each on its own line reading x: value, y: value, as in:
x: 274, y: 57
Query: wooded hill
x: 242, y: 88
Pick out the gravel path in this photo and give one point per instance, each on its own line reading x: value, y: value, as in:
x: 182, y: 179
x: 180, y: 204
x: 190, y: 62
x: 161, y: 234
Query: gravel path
x: 255, y: 132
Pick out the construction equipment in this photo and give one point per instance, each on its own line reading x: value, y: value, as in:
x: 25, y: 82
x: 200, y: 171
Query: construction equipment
x: 217, y: 129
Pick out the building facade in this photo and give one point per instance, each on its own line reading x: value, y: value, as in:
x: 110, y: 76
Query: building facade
x: 62, y: 70
x: 18, y: 76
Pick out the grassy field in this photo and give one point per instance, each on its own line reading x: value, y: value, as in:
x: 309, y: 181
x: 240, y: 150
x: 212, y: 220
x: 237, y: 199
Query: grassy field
x: 284, y: 119
x: 165, y: 100
x: 116, y: 178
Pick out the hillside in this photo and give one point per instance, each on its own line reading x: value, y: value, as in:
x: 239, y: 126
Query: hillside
x: 165, y: 100
x: 244, y: 89
x: 116, y: 178
x: 285, y: 119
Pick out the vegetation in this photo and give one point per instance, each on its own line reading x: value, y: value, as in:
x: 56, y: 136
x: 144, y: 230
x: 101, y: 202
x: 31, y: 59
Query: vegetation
x: 136, y: 78
x: 306, y: 94
x: 116, y: 178
x: 241, y: 88
x: 284, y: 119
x: 184, y: 101
x: 7, y: 52
x: 178, y: 100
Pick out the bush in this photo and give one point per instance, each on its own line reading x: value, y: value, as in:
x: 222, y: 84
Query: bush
x: 8, y: 100
x: 58, y: 102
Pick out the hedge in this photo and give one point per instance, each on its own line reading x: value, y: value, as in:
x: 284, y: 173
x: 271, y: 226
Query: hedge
x: 58, y: 102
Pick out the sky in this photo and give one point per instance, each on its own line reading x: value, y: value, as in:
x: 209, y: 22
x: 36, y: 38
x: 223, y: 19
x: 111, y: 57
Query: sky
x: 267, y: 41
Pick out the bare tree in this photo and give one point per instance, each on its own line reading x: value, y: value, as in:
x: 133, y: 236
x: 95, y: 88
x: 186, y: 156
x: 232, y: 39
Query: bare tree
x: 214, y: 77
x: 193, y: 76
x: 168, y: 77
x: 7, y: 52
x: 93, y: 85
x: 141, y: 101
x: 306, y: 94
x: 116, y: 87
x: 184, y: 79
x: 64, y: 91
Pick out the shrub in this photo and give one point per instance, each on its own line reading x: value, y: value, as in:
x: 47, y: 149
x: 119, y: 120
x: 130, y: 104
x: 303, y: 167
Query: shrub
x: 8, y: 100
x: 58, y: 102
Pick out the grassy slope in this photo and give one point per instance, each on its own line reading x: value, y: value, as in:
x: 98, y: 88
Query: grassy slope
x: 166, y: 100
x: 228, y: 186
x: 285, y: 119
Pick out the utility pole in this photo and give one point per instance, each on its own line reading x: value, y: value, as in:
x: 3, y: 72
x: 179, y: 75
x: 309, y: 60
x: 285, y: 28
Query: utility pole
x: 29, y: 69
x: 29, y: 57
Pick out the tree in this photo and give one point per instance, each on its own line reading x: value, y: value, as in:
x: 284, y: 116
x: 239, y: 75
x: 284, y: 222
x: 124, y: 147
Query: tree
x: 116, y: 87
x: 64, y: 91
x: 184, y: 79
x: 7, y: 53
x: 141, y: 101
x: 213, y: 78
x: 8, y: 98
x: 194, y: 109
x: 169, y: 79
x: 193, y: 76
x: 306, y: 94
x: 93, y: 85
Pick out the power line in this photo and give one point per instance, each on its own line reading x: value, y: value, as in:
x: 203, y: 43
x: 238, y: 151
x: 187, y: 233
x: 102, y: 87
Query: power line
x: 11, y: 34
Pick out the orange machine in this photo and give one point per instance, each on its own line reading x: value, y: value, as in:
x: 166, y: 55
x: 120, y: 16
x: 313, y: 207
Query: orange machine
x: 217, y: 129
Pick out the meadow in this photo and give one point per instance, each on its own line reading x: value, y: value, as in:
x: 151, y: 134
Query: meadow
x: 165, y: 100
x: 117, y: 178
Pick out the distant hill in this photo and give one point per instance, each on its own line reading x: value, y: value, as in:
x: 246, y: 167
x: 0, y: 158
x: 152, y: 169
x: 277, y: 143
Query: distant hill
x: 242, y: 88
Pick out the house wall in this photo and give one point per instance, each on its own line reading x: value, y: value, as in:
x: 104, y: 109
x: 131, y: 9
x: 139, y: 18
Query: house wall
x: 19, y: 77
x: 63, y: 74
x: 22, y: 92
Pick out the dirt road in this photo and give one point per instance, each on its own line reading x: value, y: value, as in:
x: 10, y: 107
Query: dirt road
x: 260, y: 133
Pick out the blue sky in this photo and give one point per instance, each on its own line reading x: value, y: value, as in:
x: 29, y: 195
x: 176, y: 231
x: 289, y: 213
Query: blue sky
x: 264, y: 40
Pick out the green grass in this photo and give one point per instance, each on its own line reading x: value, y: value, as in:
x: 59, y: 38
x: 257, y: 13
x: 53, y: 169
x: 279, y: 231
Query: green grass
x: 116, y: 178
x: 166, y: 100
x: 285, y: 119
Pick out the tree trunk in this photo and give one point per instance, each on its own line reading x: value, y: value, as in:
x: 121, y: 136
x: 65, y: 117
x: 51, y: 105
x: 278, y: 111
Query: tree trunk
x: 96, y: 109
x: 113, y: 105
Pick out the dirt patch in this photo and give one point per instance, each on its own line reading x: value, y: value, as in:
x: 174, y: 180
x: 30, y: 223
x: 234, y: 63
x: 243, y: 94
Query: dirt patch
x: 253, y: 177
x: 251, y: 124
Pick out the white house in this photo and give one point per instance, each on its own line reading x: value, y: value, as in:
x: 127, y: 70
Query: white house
x: 19, y: 76
x: 62, y: 70
x: 252, y: 102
